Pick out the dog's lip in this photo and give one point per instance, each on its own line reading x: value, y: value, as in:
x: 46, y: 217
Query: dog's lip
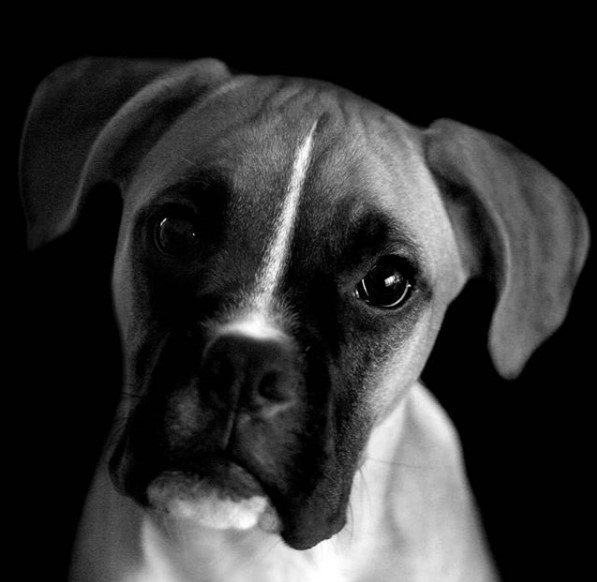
x: 226, y: 477
x: 234, y: 479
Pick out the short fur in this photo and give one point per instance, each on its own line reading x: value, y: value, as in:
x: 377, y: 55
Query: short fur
x: 267, y: 441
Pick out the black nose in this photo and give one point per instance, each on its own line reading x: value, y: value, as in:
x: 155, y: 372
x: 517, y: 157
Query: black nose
x: 257, y: 375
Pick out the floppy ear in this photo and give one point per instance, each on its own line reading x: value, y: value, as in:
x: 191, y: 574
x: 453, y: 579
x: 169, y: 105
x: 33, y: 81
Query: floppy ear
x: 516, y: 224
x: 87, y: 124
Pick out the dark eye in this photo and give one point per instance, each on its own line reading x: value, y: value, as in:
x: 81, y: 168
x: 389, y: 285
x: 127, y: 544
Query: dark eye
x: 176, y: 235
x: 386, y: 285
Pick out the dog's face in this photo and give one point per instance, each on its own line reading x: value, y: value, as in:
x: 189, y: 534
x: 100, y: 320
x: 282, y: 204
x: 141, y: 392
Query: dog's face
x: 279, y: 286
x: 286, y: 255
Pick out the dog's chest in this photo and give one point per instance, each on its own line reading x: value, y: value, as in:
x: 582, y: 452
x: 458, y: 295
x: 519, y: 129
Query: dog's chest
x: 221, y: 557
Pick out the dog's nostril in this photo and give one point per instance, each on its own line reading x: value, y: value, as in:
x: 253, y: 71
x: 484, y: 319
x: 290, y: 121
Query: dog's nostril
x: 271, y: 386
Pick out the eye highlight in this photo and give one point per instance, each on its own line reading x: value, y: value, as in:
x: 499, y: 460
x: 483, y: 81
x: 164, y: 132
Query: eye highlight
x: 175, y: 234
x: 387, y: 285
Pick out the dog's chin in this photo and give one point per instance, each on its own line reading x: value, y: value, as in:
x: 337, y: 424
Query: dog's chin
x: 207, y: 502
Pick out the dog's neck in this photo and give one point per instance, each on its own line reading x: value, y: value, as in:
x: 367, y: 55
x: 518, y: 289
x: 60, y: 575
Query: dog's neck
x: 427, y: 523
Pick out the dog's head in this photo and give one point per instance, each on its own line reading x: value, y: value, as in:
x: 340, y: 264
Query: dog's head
x: 286, y: 255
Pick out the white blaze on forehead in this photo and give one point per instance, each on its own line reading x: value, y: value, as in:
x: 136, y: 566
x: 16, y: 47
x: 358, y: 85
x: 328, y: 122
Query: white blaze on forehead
x: 277, y: 251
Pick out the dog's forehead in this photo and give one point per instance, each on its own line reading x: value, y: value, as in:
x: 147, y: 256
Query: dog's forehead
x: 362, y: 159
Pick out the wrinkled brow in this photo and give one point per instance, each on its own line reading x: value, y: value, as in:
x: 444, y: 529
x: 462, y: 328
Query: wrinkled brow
x: 374, y: 234
x: 196, y: 186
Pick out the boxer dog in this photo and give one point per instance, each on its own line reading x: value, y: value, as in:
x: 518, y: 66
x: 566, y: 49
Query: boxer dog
x: 287, y: 252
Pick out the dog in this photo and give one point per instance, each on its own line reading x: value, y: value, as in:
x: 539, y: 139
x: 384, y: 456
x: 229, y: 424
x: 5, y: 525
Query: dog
x: 286, y: 254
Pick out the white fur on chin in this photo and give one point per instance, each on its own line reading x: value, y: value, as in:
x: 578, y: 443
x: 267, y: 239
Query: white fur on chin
x: 198, y: 501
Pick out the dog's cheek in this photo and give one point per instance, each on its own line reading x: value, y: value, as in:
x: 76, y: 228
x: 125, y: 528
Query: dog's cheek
x: 389, y: 360
x: 146, y: 303
x: 130, y: 296
x: 122, y: 288
x: 398, y: 370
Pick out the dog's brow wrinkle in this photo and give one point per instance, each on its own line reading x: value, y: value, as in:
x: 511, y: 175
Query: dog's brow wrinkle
x: 205, y: 190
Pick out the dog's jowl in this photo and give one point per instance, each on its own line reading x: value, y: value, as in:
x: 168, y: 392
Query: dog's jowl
x: 287, y: 252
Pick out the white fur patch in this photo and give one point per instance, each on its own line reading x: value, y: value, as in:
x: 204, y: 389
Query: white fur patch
x: 276, y: 255
x: 200, y: 502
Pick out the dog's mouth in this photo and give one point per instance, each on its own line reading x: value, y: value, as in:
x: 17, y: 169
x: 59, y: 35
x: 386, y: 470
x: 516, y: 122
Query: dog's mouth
x: 296, y: 496
x: 218, y: 450
x: 223, y: 496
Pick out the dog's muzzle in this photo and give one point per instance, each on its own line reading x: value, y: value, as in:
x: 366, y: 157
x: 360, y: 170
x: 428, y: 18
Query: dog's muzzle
x: 216, y: 443
x: 249, y: 382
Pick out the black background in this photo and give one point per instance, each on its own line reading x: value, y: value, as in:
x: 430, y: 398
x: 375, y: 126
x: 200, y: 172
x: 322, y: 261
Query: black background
x: 527, y: 442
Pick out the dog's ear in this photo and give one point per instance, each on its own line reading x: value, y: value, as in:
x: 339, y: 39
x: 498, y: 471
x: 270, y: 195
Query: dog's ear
x: 516, y: 224
x: 88, y: 122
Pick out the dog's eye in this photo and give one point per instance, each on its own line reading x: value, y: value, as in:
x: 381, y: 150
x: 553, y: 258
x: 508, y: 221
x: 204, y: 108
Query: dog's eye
x: 386, y: 285
x: 175, y: 235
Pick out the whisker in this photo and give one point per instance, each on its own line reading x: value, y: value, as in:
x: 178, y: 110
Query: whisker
x: 401, y: 464
x: 190, y: 162
x: 268, y: 548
